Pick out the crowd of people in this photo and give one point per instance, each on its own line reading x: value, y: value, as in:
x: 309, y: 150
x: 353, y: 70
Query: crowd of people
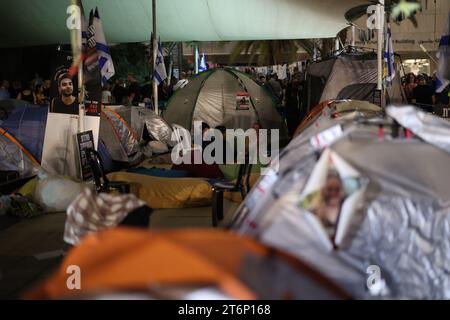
x: 36, y: 91
x: 421, y: 90
x: 133, y: 93
x: 288, y: 93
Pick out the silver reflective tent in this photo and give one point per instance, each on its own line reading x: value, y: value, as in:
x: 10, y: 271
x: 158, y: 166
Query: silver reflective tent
x: 348, y: 76
x: 212, y: 97
x: 392, y: 229
x: 119, y: 138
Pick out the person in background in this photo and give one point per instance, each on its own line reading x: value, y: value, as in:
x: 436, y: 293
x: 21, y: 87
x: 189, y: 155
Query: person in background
x: 36, y: 81
x: 409, y: 86
x: 147, y: 91
x: 4, y: 93
x: 293, y: 107
x: 119, y: 92
x: 46, y: 88
x: 442, y: 98
x: 26, y: 94
x: 134, y: 90
x: 15, y: 89
x: 274, y: 87
x: 39, y: 97
x: 106, y: 94
x: 424, y: 95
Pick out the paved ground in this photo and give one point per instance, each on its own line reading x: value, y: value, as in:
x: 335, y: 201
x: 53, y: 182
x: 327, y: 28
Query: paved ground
x: 30, y: 249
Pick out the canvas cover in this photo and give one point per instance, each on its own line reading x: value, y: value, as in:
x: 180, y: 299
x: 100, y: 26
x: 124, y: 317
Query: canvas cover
x: 395, y: 219
x: 128, y: 21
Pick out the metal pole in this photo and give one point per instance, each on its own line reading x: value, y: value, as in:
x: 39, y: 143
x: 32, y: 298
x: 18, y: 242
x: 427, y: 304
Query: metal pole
x: 353, y: 35
x: 380, y: 18
x: 155, y: 52
x: 196, y: 58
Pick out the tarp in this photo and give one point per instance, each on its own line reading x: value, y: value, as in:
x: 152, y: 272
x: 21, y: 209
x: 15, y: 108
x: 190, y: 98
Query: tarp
x: 41, y: 22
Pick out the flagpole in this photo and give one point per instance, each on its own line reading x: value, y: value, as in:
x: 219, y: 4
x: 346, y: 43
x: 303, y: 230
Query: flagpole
x: 155, y: 51
x: 380, y: 13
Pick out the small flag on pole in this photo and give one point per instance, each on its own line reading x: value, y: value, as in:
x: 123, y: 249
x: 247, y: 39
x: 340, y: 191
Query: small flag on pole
x: 203, y: 66
x: 389, y: 57
x: 159, y: 75
x: 104, y: 57
x: 443, y: 71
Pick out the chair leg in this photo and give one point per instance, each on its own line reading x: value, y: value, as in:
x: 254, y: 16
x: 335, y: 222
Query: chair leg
x: 220, y: 205
x: 243, y: 193
x: 215, y: 219
x: 217, y: 207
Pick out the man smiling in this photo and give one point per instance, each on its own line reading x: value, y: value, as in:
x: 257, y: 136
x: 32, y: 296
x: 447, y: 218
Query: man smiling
x: 66, y: 102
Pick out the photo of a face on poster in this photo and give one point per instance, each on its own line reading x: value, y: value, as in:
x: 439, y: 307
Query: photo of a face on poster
x: 242, y: 101
x: 66, y: 101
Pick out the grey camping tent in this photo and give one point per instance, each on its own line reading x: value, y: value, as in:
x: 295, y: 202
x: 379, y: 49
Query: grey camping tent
x: 348, y: 76
x: 224, y: 97
x: 394, y: 215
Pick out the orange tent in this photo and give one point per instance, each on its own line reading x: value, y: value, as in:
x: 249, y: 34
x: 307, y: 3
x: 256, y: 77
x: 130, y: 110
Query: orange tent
x: 129, y: 260
x: 312, y: 115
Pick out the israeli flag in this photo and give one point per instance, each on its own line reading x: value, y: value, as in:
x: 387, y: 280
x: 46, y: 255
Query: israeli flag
x: 389, y: 57
x: 159, y: 75
x: 202, y: 66
x: 104, y: 58
x: 443, y: 71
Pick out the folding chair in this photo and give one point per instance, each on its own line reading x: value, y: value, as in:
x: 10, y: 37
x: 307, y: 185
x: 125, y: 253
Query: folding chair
x: 242, y: 185
x: 102, y: 184
x: 137, y: 218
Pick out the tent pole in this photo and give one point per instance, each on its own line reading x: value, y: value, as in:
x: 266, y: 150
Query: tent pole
x: 380, y: 13
x: 155, y: 51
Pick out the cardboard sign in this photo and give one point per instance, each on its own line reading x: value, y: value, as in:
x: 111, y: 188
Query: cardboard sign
x: 85, y: 141
x: 242, y: 101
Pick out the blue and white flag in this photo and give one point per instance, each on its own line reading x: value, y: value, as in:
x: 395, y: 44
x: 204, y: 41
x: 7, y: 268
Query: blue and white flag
x: 104, y: 58
x: 203, y: 66
x: 159, y: 75
x: 389, y: 57
x: 443, y: 71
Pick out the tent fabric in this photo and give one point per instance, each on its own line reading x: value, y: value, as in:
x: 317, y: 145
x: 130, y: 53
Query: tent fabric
x: 331, y: 109
x: 27, y: 124
x: 119, y: 138
x: 398, y: 222
x: 44, y: 21
x: 120, y: 260
x: 14, y: 157
x: 211, y: 97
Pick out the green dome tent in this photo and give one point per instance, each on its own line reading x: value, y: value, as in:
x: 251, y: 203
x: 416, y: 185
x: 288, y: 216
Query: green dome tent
x: 224, y: 97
